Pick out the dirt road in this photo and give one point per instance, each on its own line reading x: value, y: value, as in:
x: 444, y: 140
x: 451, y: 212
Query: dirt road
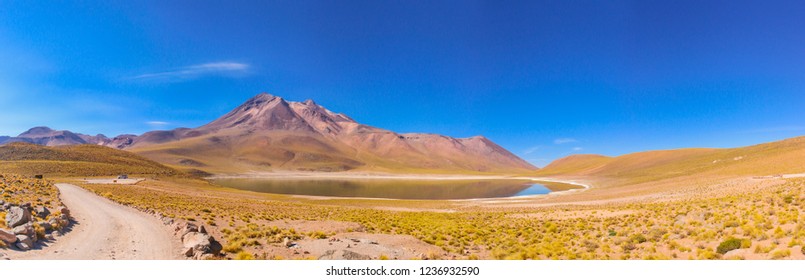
x: 105, y: 230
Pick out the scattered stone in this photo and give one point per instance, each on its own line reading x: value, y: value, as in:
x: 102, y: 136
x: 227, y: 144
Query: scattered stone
x: 24, y: 240
x: 26, y: 229
x: 17, y: 216
x: 64, y: 223
x: 343, y: 255
x: 215, y: 246
x: 41, y: 211
x: 199, y: 242
x: 22, y: 246
x: 64, y: 211
x: 7, y: 237
x: 188, y: 252
x: 186, y: 228
x: 166, y: 221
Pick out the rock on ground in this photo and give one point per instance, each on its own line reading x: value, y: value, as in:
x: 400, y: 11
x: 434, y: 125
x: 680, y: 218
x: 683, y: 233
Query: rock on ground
x: 26, y: 229
x: 24, y: 242
x: 17, y: 216
x: 343, y: 255
x: 7, y: 237
x: 42, y: 211
x: 197, y: 243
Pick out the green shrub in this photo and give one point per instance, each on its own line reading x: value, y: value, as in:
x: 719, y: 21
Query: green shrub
x: 730, y: 244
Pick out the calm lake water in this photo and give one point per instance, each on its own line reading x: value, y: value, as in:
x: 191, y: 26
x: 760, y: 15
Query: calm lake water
x: 397, y: 188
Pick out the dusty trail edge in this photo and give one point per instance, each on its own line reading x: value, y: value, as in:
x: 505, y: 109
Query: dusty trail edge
x: 105, y: 230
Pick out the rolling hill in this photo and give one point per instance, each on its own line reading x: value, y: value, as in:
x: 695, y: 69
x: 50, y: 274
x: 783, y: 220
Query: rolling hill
x: 781, y: 157
x: 75, y: 160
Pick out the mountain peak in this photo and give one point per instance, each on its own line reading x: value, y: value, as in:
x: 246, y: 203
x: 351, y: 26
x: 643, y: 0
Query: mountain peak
x: 39, y: 130
x: 310, y: 102
x: 264, y: 111
x: 264, y: 95
x: 262, y: 98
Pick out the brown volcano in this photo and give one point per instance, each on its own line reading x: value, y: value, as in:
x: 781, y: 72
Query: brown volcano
x: 270, y: 133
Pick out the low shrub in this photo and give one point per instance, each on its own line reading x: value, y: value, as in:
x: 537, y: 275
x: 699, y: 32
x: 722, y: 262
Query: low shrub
x: 244, y: 256
x: 730, y: 244
x: 781, y: 253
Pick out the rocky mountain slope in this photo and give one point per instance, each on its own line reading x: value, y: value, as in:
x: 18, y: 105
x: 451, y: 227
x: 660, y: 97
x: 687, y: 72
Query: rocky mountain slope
x: 48, y: 137
x: 270, y: 133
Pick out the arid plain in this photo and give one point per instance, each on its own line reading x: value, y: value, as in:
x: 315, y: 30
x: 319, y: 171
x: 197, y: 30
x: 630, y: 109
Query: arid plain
x: 740, y: 203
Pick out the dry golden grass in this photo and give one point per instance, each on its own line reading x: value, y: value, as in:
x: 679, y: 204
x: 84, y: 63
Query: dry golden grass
x: 764, y: 213
x: 17, y: 190
x: 786, y: 156
x: 79, y: 160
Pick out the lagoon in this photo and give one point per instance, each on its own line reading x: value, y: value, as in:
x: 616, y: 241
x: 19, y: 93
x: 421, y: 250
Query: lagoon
x: 417, y: 189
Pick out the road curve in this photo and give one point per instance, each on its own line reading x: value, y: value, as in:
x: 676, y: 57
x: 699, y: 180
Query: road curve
x: 105, y: 230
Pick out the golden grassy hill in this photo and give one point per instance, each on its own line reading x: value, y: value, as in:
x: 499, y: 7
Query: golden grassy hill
x: 781, y: 157
x: 77, y: 160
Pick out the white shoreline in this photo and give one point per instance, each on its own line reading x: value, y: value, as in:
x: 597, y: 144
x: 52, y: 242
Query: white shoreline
x: 424, y: 177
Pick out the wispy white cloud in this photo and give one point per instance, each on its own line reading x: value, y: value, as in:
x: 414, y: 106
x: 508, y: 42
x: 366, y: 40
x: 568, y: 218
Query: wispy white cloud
x: 577, y: 149
x: 561, y: 141
x: 196, y: 71
x: 157, y: 123
x: 531, y: 150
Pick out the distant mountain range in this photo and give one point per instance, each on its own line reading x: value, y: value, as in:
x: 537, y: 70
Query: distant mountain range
x: 270, y: 133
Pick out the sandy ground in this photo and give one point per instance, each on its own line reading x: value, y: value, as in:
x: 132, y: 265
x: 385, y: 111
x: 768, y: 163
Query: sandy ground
x: 114, y: 181
x: 350, y: 243
x: 104, y: 230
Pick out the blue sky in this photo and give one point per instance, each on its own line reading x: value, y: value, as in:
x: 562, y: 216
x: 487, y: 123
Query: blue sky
x: 544, y: 79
